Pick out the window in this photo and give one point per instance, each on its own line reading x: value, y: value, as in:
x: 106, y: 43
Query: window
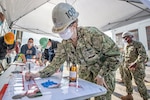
x: 119, y: 40
x: 135, y: 34
x: 148, y: 36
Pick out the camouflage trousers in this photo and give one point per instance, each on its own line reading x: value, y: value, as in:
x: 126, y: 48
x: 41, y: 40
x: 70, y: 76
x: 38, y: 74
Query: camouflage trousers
x: 121, y: 71
x: 138, y: 75
x: 89, y: 75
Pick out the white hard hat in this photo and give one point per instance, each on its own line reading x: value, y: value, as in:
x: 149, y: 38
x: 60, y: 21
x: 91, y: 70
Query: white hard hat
x: 124, y: 34
x: 63, y: 15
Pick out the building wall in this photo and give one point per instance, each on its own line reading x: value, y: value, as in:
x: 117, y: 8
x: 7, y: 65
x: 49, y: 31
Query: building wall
x: 140, y: 26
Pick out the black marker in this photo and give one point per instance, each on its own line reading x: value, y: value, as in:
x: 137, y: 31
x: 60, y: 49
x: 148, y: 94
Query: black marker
x: 29, y: 67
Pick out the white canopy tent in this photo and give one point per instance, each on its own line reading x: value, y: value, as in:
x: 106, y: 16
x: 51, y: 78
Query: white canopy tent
x: 35, y: 15
x: 146, y: 2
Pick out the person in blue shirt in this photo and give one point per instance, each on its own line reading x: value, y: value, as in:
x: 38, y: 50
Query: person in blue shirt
x: 28, y: 49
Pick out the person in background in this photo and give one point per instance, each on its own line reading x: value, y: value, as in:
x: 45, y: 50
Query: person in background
x: 21, y: 58
x: 38, y: 51
x: 134, y: 66
x: 28, y: 49
x: 17, y: 49
x: 95, y: 52
x: 38, y: 56
x: 7, y: 44
x: 49, y: 47
x: 17, y: 46
x: 2, y: 18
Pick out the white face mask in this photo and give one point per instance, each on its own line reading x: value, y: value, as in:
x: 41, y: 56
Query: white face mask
x: 30, y: 44
x: 66, y: 34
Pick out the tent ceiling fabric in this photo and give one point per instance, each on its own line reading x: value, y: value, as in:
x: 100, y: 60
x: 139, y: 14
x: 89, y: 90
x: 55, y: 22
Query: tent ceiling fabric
x: 35, y: 15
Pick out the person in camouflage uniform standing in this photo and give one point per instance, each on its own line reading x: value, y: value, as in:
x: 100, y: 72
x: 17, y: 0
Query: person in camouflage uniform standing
x: 134, y: 64
x: 95, y: 53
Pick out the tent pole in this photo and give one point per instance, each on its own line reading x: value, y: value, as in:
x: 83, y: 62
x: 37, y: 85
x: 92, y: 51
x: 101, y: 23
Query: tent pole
x: 137, y: 6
